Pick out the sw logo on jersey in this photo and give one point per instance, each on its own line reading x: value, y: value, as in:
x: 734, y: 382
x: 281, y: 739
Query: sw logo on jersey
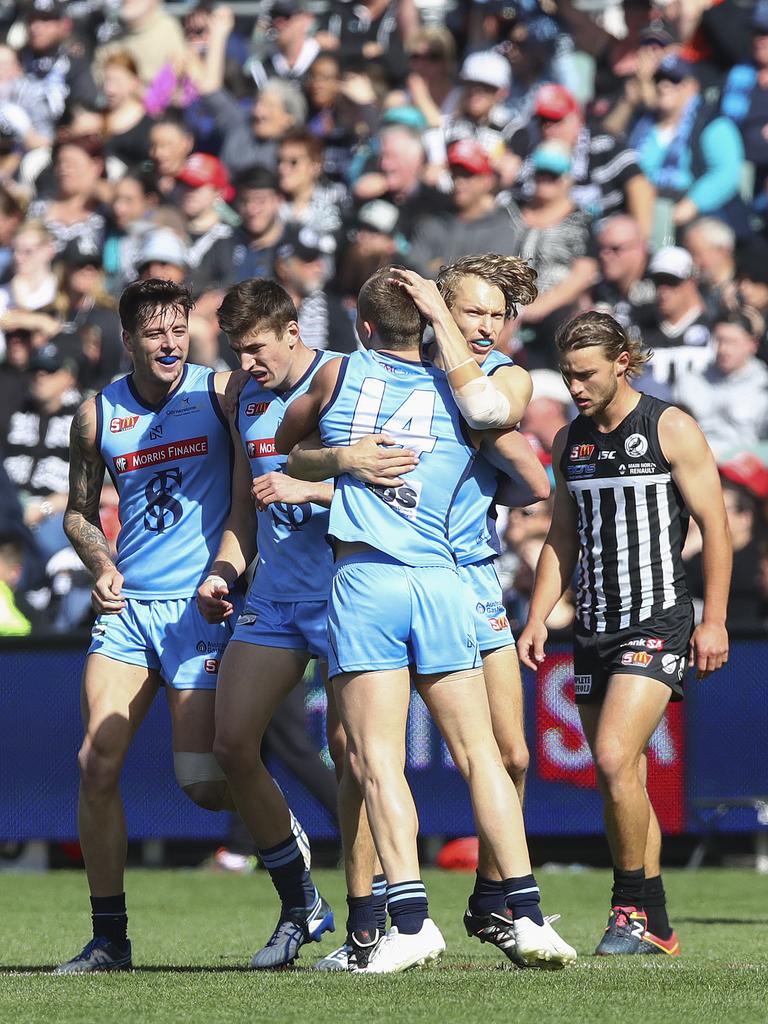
x: 256, y: 408
x: 581, y: 452
x: 120, y: 423
x: 171, y: 452
x: 636, y: 658
x: 499, y: 623
x: 261, y: 448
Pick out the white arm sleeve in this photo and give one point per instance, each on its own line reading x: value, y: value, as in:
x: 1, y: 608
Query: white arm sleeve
x: 481, y: 404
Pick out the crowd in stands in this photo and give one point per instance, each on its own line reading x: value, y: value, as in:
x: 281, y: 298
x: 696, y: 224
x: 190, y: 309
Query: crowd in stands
x: 620, y: 147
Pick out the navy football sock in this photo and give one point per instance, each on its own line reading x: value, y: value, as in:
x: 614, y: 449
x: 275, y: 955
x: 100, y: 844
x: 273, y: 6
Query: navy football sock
x: 289, y: 874
x: 407, y: 903
x: 487, y: 896
x: 109, y: 917
x: 523, y: 898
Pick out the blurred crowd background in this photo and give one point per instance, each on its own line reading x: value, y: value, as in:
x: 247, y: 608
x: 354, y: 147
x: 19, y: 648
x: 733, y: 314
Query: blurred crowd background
x: 622, y: 148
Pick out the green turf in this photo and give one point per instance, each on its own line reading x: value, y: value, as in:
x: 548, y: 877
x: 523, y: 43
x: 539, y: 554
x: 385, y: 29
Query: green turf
x: 193, y: 933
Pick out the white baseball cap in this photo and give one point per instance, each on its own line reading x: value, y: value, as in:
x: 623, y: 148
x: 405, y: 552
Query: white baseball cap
x: 674, y: 261
x: 488, y: 68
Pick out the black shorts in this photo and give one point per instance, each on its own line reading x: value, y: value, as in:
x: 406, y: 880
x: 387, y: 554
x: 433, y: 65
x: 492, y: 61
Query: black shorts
x: 656, y: 649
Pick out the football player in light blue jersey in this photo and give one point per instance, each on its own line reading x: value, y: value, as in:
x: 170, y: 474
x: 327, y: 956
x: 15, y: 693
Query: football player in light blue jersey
x: 162, y: 434
x: 395, y: 590
x: 284, y: 621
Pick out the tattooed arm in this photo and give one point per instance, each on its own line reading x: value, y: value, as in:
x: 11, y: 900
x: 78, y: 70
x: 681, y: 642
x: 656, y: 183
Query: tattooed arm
x: 82, y: 523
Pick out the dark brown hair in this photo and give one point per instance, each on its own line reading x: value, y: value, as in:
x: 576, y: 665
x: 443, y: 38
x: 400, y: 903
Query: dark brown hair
x: 391, y: 311
x: 257, y: 302
x: 591, y: 328
x: 141, y: 300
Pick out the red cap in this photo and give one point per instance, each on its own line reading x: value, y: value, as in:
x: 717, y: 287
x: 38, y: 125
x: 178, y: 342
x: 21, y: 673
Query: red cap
x: 555, y: 102
x: 747, y: 470
x: 204, y: 169
x: 471, y: 155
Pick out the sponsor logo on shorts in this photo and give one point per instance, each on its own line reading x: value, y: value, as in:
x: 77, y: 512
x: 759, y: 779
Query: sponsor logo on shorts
x: 120, y: 423
x: 211, y: 666
x: 256, y: 408
x: 208, y: 647
x: 581, y: 452
x: 499, y: 623
x: 670, y: 663
x: 582, y: 684
x: 636, y: 445
x: 246, y: 619
x: 98, y: 631
x: 172, y: 452
x: 636, y: 658
x: 261, y: 448
x: 652, y: 643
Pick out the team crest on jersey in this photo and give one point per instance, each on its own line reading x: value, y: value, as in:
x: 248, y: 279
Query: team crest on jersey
x: 161, y: 453
x: 636, y: 445
x: 256, y: 408
x: 261, y: 448
x: 120, y: 423
x: 581, y: 452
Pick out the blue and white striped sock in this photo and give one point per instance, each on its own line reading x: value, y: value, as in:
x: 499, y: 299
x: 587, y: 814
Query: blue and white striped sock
x: 407, y: 905
x: 286, y: 867
x: 380, y: 901
x: 523, y: 897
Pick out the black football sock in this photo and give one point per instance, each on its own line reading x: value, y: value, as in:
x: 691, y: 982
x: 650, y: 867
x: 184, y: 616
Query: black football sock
x: 628, y: 888
x: 655, y: 906
x: 110, y: 920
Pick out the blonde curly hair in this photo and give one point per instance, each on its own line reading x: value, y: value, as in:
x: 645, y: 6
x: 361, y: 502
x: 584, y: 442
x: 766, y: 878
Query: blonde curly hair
x: 515, y: 278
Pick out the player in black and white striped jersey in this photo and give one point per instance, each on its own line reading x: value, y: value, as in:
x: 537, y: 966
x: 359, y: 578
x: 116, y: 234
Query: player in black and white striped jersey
x: 630, y: 470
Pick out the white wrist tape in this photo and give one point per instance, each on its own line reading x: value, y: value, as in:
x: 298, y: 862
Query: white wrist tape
x: 217, y: 579
x: 481, y: 404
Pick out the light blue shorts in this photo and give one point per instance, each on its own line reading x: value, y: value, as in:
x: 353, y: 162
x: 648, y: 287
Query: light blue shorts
x: 294, y: 625
x: 491, y: 622
x: 386, y: 615
x: 171, y: 637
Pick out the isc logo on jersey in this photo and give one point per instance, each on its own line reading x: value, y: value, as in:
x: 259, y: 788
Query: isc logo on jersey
x: 636, y: 658
x: 120, y: 423
x: 581, y: 452
x: 256, y: 408
x: 261, y: 448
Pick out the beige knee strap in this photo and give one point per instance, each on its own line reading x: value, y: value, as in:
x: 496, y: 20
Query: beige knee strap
x: 193, y: 768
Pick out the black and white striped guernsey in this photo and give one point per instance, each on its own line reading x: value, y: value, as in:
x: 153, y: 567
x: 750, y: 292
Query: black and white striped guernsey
x: 632, y: 521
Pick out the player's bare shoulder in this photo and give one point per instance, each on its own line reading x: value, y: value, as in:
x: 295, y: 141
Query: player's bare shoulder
x: 679, y: 434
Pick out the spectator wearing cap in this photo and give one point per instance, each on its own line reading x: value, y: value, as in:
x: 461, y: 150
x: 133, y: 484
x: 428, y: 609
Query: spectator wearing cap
x: 691, y: 155
x: 302, y: 264
x: 729, y: 398
x: 309, y: 201
x: 712, y: 243
x: 204, y: 186
x: 551, y: 233
x: 258, y: 203
x: 74, y: 212
x: 55, y: 59
x: 36, y: 449
x: 605, y: 175
x: 151, y: 35
x: 398, y: 175
x: 162, y: 254
x: 90, y: 327
x: 745, y: 96
x: 293, y: 47
x: 624, y: 286
x: 127, y: 126
x: 476, y: 224
x: 373, y: 242
x: 485, y: 80
x: 681, y: 336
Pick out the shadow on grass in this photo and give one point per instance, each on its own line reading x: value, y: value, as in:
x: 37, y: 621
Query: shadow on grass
x: 722, y: 920
x: 144, y: 969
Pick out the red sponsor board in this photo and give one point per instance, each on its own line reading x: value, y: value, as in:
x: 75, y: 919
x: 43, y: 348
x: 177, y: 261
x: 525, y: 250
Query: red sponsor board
x: 190, y: 448
x: 563, y: 755
x: 264, y: 446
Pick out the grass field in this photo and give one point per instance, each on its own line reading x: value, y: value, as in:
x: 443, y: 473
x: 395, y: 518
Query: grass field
x: 193, y: 934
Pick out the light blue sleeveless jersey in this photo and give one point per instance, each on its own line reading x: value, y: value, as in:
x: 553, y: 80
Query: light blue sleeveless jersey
x: 412, y: 402
x: 472, y: 523
x: 295, y: 560
x: 172, y: 467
